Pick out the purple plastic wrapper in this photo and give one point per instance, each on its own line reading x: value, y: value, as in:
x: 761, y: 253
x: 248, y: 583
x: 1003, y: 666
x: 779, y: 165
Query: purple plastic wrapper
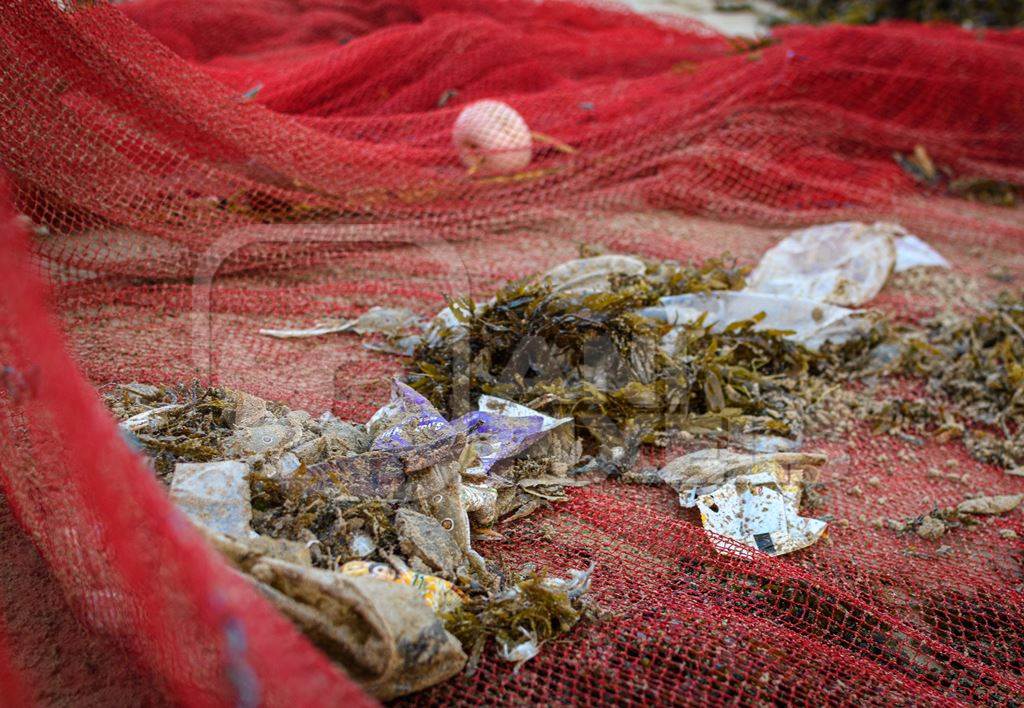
x: 407, y: 420
x: 498, y: 430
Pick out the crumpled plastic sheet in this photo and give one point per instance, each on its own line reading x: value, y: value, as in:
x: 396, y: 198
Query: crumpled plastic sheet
x: 215, y: 495
x: 497, y: 430
x: 761, y: 511
x: 845, y: 263
x: 810, y: 323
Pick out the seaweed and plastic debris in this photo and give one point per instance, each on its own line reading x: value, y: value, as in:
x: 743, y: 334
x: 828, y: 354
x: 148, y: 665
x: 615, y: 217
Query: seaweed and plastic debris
x: 319, y: 513
x: 555, y: 382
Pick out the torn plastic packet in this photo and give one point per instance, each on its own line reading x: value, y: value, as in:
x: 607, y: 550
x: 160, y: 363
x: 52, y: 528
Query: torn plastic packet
x: 759, y: 510
x: 440, y: 594
x: 702, y: 472
x: 215, y: 495
x: 810, y: 323
x: 500, y: 429
x: 407, y: 420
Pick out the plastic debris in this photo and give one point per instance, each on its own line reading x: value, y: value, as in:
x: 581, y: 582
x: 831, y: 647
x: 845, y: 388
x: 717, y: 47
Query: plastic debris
x: 382, y: 632
x: 704, y: 471
x: 141, y: 420
x: 422, y: 537
x: 481, y: 503
x: 377, y: 320
x: 214, y: 495
x: 441, y: 595
x: 501, y: 429
x: 759, y: 510
x: 845, y: 263
x: 588, y: 275
x: 912, y: 252
x: 807, y: 322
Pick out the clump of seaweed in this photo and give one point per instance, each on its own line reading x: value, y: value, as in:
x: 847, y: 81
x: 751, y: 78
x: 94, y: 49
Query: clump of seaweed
x: 592, y: 356
x: 194, y: 424
x: 977, y: 365
x: 531, y: 610
x: 982, y: 13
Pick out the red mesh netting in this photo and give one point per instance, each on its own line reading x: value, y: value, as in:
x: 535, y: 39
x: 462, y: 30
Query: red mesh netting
x: 197, y: 170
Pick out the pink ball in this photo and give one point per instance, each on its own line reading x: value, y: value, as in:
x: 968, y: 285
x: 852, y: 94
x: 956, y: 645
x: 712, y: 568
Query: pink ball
x: 492, y: 137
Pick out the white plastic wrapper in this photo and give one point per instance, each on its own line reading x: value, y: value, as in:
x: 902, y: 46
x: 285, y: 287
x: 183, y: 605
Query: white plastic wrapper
x: 759, y: 510
x: 215, y: 495
x: 912, y: 252
x: 811, y: 323
x: 377, y: 320
x: 845, y: 263
x: 702, y: 472
x: 592, y: 275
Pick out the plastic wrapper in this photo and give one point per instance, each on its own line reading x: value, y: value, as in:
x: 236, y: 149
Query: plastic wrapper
x: 214, y: 495
x: 589, y: 275
x: 441, y: 595
x: 912, y: 252
x: 810, y: 323
x: 498, y: 430
x: 845, y: 263
x: 759, y: 510
x: 501, y: 429
x: 704, y: 471
x: 381, y: 631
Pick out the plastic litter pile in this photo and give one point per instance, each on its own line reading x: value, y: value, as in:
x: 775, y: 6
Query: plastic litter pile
x: 319, y: 512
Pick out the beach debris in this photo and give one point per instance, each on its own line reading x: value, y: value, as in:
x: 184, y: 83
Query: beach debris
x: 912, y: 252
x: 759, y: 510
x: 845, y: 263
x: 807, y: 322
x: 599, y: 359
x: 520, y: 618
x: 702, y: 472
x: 938, y: 521
x: 382, y: 632
x: 389, y: 321
x: 422, y: 537
x: 592, y: 275
x: 923, y: 170
x: 214, y: 495
x: 501, y: 429
x: 143, y: 419
x: 974, y: 368
x: 481, y: 503
x: 440, y: 595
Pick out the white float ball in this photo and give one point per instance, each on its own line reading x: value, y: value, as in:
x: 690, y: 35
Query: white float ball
x: 492, y: 138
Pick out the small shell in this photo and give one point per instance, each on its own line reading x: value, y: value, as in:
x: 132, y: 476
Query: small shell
x: 492, y: 138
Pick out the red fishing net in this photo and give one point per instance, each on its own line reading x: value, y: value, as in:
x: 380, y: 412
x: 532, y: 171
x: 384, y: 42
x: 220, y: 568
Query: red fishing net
x: 192, y: 171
